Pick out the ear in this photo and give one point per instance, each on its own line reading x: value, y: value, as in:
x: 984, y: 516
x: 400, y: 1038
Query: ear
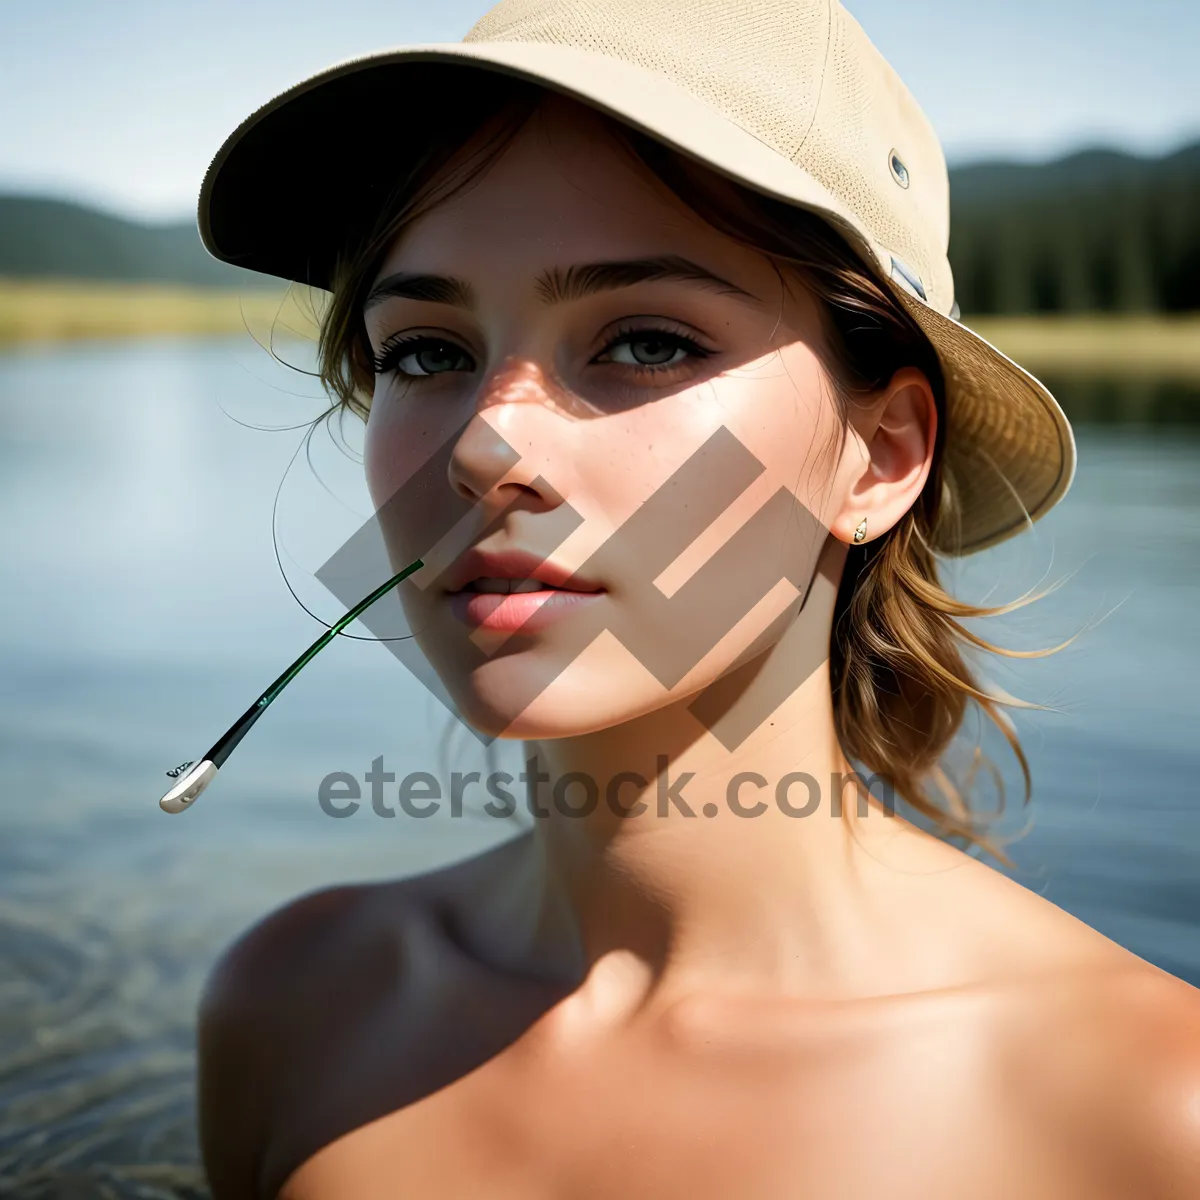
x: 888, y: 454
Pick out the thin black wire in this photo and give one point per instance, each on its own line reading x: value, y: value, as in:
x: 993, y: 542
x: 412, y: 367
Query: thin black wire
x: 279, y: 561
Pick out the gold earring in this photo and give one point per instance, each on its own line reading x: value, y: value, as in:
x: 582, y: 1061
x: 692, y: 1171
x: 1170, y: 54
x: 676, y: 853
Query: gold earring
x: 861, y: 532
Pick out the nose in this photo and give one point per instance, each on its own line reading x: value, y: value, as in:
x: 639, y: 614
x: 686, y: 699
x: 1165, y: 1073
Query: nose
x: 511, y: 438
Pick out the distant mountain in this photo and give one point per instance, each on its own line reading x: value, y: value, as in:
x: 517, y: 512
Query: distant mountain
x: 1084, y: 171
x: 1096, y: 230
x: 44, y: 238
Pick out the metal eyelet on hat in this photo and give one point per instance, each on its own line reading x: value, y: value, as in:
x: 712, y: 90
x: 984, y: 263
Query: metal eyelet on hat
x: 898, y: 169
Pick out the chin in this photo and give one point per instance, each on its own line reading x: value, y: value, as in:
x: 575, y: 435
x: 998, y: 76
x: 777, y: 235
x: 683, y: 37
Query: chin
x: 521, y: 700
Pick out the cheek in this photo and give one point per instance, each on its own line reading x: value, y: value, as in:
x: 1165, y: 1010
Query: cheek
x: 399, y: 441
x: 697, y: 496
x: 377, y: 446
x: 779, y: 409
x: 402, y: 454
x: 783, y: 412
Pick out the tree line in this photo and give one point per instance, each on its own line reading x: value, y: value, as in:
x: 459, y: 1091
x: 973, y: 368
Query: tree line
x: 1096, y: 232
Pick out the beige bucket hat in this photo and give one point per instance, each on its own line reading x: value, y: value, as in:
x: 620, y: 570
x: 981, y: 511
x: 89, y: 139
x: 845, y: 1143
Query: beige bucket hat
x: 788, y: 97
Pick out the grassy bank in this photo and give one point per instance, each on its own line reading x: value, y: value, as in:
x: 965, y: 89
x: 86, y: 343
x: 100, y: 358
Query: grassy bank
x: 1163, y: 347
x: 1099, y: 345
x: 45, y: 310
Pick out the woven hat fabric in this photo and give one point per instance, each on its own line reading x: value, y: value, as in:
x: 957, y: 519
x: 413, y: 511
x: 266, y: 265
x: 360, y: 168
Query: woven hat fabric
x: 788, y: 97
x: 805, y: 86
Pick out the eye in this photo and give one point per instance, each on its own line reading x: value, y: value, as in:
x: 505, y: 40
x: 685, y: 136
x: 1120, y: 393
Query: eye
x: 418, y: 355
x: 647, y: 350
x: 651, y: 350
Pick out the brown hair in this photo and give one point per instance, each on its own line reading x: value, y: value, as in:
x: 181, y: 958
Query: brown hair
x: 901, y: 681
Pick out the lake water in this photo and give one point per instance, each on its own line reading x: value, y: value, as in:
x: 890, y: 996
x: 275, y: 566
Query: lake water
x: 143, y: 610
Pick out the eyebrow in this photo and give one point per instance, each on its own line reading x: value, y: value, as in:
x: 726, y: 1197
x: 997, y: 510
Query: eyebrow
x: 555, y: 286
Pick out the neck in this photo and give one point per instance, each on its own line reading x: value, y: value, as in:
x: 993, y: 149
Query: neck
x: 674, y: 863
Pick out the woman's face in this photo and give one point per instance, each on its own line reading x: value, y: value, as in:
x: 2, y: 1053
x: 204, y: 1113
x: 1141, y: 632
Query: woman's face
x: 662, y: 428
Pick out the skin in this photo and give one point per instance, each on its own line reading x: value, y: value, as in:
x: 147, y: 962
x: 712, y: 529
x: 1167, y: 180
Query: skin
x: 651, y: 1005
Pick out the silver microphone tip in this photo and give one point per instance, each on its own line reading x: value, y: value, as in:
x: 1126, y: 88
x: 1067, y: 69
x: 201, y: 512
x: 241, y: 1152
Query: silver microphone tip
x: 189, y: 787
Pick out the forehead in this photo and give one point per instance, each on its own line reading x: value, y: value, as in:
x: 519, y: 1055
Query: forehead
x: 563, y: 185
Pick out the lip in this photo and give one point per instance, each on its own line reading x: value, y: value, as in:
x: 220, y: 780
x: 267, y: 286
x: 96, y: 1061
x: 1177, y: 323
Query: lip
x: 527, y: 611
x: 509, y: 611
x: 515, y: 564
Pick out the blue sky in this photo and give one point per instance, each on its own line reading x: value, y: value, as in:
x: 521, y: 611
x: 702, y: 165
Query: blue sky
x: 123, y: 102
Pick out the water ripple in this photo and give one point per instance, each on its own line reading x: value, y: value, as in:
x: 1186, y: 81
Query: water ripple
x: 96, y: 1062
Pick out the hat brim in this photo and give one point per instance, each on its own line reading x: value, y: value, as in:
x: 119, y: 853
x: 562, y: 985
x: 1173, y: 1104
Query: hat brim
x: 301, y: 171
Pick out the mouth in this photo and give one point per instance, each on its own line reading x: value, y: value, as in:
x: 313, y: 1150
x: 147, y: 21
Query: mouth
x: 515, y: 590
x: 495, y: 585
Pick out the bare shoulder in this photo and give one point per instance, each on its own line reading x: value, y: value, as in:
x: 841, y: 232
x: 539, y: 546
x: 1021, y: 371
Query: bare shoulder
x: 290, y: 1021
x: 1104, y: 1060
x: 1158, y: 1038
x: 1110, y: 1069
x: 268, y: 996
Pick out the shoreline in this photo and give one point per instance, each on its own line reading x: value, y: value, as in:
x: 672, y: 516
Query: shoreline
x: 1101, y: 345
x: 42, y: 311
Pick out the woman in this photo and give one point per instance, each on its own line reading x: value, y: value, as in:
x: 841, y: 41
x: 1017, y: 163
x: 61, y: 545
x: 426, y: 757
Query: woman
x: 646, y: 310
